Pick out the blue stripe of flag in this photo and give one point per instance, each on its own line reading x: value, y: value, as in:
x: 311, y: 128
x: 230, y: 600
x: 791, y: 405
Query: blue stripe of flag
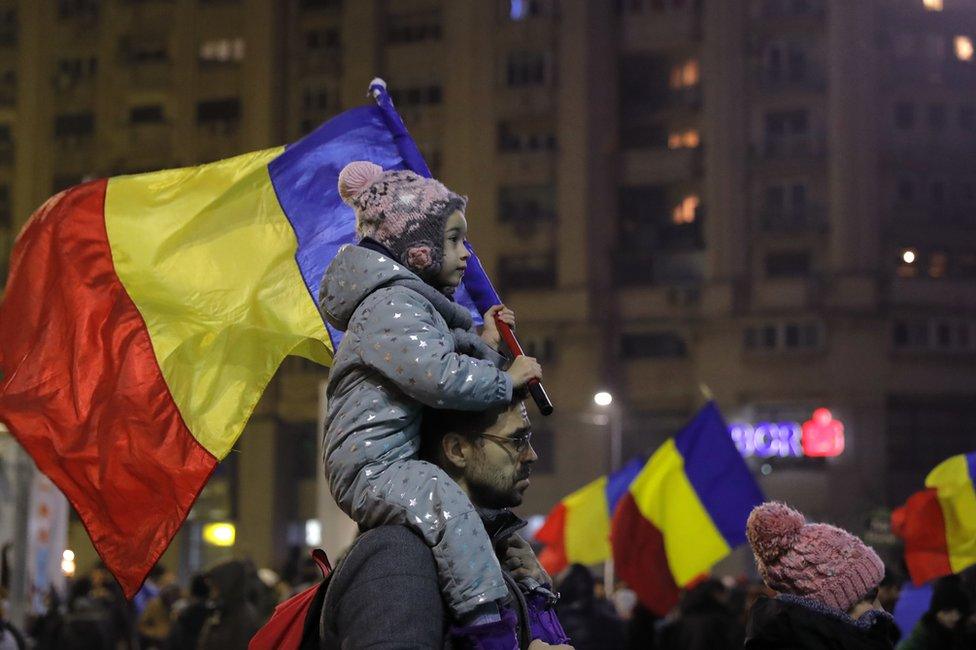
x: 718, y: 473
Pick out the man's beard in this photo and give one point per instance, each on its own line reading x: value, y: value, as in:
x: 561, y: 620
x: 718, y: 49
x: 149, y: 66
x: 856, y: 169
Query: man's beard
x: 495, y: 490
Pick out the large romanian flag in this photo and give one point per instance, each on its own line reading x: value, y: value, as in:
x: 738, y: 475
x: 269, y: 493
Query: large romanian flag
x: 684, y: 512
x: 144, y: 315
x: 577, y: 530
x: 938, y: 524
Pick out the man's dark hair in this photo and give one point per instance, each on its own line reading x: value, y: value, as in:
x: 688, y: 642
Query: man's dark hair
x: 437, y: 423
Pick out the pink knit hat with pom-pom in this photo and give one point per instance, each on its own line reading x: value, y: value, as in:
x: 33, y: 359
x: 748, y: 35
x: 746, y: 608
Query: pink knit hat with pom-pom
x: 401, y: 210
x: 815, y: 561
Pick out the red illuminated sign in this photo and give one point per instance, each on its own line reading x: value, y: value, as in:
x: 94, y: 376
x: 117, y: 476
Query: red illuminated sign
x: 823, y: 436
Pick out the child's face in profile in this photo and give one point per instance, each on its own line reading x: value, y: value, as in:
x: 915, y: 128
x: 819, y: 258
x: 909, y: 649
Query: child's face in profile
x: 455, y: 254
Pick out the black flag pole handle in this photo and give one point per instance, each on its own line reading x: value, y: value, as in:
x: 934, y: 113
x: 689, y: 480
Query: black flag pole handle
x: 536, y: 390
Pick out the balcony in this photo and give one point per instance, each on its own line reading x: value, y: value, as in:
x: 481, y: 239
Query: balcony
x: 658, y: 267
x: 151, y: 75
x: 810, y: 218
x: 327, y: 61
x: 640, y: 166
x: 780, y: 81
x: 151, y: 141
x: 788, y: 15
x: 655, y: 31
x: 794, y: 147
x: 528, y: 168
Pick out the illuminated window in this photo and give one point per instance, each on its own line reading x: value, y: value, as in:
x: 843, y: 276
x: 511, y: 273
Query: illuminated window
x: 687, y: 139
x: 223, y: 50
x: 963, y: 46
x: 685, y: 75
x: 686, y: 211
x: 933, y: 5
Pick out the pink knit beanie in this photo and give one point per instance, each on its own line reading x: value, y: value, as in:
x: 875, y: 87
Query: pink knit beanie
x: 815, y: 561
x: 401, y: 210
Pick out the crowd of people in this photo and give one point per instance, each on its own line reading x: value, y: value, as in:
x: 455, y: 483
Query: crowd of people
x: 221, y: 608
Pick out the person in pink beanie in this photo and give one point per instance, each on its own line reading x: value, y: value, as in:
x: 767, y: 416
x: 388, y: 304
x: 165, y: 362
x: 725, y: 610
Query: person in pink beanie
x: 827, y: 583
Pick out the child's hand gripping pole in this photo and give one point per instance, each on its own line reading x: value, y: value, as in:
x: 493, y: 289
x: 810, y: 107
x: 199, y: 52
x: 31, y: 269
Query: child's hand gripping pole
x: 536, y: 390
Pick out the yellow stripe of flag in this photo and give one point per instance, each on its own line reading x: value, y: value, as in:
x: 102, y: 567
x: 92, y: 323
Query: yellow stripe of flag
x: 587, y: 531
x: 208, y: 257
x: 957, y: 496
x: 665, y: 497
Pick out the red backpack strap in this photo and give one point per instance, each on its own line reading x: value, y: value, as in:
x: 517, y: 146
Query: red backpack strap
x: 322, y: 560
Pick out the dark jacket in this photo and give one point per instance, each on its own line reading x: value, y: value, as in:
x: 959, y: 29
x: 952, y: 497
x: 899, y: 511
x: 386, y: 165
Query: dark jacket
x: 234, y: 619
x: 928, y: 634
x: 385, y: 594
x: 589, y: 623
x: 703, y: 623
x: 801, y: 624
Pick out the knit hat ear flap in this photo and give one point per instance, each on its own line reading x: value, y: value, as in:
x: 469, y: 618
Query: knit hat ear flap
x: 356, y: 177
x: 772, y: 529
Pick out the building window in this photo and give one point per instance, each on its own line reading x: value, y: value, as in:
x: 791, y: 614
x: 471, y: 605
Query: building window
x: 78, y: 8
x: 417, y: 96
x: 653, y: 345
x: 963, y: 47
x: 787, y: 133
x: 519, y: 10
x: 222, y: 51
x: 151, y: 114
x: 220, y: 115
x: 321, y: 4
x: 685, y: 75
x: 542, y: 348
x: 936, y: 116
x: 527, y: 203
x: 6, y: 220
x: 686, y: 211
x: 788, y: 264
x: 322, y: 39
x: 905, y: 116
x: 74, y: 125
x: 955, y: 335
x: 658, y: 218
x: 140, y: 49
x: 6, y: 145
x: 784, y: 336
x: 517, y: 138
x: 315, y: 98
x: 527, y: 271
x: 414, y: 28
x: 526, y: 69
x: 932, y: 5
x: 684, y: 139
x: 72, y: 71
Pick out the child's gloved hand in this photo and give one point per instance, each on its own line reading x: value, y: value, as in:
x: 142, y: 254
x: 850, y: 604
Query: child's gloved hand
x: 490, y: 333
x: 521, y: 561
x: 524, y: 369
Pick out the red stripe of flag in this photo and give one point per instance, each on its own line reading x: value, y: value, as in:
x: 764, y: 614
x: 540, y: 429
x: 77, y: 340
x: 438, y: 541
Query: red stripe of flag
x: 83, y: 393
x: 921, y: 524
x: 640, y: 559
x: 553, y: 535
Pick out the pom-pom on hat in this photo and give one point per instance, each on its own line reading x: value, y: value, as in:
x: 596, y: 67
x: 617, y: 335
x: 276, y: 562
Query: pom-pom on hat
x: 401, y: 210
x: 815, y: 561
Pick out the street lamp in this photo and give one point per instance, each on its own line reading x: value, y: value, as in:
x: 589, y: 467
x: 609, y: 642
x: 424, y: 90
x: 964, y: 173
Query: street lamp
x: 604, y: 400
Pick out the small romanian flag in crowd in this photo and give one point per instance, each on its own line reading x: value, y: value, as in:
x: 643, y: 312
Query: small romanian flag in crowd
x: 577, y: 530
x: 144, y: 316
x: 938, y: 524
x: 684, y: 512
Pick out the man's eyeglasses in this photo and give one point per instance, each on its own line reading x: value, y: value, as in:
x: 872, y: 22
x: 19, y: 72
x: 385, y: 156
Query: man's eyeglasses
x: 518, y: 443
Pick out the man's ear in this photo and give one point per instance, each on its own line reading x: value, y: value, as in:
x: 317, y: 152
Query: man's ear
x: 456, y: 449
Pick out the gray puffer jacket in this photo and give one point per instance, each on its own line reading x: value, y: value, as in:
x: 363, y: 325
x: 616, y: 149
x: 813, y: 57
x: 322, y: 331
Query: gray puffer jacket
x: 406, y: 345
